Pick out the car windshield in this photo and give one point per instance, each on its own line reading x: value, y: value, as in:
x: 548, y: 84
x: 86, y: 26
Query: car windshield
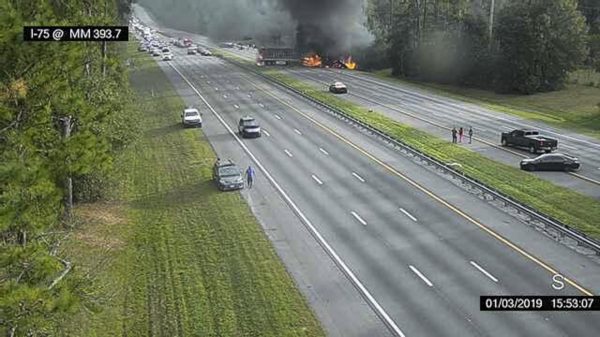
x: 228, y: 171
x: 191, y: 114
x: 249, y: 122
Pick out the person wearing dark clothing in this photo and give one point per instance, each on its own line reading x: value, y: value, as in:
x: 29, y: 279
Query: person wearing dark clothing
x: 470, y: 134
x: 453, y: 135
x: 460, y: 134
x: 250, y: 176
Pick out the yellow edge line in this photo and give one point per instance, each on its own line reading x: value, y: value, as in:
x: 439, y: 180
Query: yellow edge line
x: 431, y: 194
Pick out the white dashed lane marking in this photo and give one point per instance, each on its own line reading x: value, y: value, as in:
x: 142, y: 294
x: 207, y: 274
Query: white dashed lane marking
x: 358, y: 177
x: 420, y: 275
x: 408, y: 214
x: 357, y: 217
x: 483, y: 271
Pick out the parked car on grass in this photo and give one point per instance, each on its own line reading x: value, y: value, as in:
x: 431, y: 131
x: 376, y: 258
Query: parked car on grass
x: 191, y: 117
x: 227, y: 176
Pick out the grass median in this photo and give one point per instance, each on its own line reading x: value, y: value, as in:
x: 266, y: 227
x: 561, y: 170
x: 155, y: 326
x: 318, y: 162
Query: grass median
x: 171, y: 255
x: 572, y: 208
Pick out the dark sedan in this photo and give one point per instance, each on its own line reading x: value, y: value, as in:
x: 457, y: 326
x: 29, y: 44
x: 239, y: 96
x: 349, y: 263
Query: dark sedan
x: 551, y: 162
x: 227, y: 176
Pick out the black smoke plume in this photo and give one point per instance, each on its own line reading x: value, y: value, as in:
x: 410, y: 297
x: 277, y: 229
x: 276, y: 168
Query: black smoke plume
x: 328, y: 26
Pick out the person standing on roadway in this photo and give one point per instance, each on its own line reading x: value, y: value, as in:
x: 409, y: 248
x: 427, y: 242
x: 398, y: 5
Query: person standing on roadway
x: 460, y: 134
x: 250, y: 176
x: 453, y: 135
x: 470, y: 134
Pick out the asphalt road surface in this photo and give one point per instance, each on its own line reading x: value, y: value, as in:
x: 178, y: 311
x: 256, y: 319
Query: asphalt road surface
x: 420, y: 249
x: 438, y: 115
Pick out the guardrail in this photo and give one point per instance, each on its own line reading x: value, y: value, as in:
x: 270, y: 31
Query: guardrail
x: 548, y: 223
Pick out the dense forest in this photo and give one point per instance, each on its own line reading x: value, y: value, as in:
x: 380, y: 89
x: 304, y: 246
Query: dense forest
x: 63, y: 120
x: 514, y: 46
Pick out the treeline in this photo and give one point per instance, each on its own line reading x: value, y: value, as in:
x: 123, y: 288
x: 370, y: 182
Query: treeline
x: 514, y: 46
x: 63, y: 120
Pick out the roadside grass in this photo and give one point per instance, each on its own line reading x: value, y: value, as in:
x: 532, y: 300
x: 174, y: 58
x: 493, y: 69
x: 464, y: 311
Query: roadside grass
x: 171, y: 255
x: 576, y: 107
x: 585, y: 76
x: 574, y: 209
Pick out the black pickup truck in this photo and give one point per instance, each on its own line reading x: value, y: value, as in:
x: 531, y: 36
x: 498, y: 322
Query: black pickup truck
x: 530, y: 139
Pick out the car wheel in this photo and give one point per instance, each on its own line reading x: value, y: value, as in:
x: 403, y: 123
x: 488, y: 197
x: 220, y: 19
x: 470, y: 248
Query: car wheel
x: 504, y: 142
x: 532, y: 149
x: 532, y: 168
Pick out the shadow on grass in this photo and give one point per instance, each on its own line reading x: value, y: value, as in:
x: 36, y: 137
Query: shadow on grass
x: 164, y: 130
x: 178, y: 196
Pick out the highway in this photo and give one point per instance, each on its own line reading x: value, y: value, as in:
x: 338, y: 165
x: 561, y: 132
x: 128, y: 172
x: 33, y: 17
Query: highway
x: 427, y: 112
x: 437, y: 115
x: 420, y: 250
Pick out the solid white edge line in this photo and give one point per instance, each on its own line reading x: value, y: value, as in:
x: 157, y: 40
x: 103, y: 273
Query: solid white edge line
x: 315, y: 178
x: 358, y: 177
x: 421, y: 276
x: 298, y: 132
x: 408, y: 214
x: 288, y: 153
x: 313, y: 230
x: 483, y: 271
x: 324, y: 152
x: 357, y: 217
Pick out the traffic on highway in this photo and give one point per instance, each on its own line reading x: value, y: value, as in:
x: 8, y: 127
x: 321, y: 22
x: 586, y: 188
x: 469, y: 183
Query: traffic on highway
x: 418, y: 248
x: 300, y: 168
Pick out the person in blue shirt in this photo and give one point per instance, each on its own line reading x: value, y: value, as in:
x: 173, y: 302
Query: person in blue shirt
x: 250, y: 176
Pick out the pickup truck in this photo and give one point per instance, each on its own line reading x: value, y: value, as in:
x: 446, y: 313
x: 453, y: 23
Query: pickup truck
x: 530, y: 139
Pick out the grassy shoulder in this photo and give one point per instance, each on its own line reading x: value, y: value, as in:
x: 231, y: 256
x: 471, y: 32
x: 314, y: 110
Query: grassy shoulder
x: 570, y: 207
x: 171, y: 255
x: 576, y: 107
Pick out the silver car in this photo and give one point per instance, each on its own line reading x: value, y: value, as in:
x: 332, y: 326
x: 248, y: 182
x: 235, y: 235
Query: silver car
x: 248, y: 127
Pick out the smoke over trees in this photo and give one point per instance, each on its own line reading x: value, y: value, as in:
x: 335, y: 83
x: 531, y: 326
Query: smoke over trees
x: 324, y: 25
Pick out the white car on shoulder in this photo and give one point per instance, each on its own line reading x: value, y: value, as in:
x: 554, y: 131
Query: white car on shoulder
x: 191, y: 117
x: 167, y: 57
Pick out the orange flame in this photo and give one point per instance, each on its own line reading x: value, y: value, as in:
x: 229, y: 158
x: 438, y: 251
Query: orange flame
x: 312, y: 60
x: 349, y: 63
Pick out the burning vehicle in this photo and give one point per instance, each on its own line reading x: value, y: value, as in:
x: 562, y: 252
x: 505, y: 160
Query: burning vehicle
x: 313, y: 60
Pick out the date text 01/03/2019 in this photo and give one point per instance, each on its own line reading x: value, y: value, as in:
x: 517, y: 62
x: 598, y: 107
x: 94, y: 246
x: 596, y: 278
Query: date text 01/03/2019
x: 539, y: 303
x: 75, y: 33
